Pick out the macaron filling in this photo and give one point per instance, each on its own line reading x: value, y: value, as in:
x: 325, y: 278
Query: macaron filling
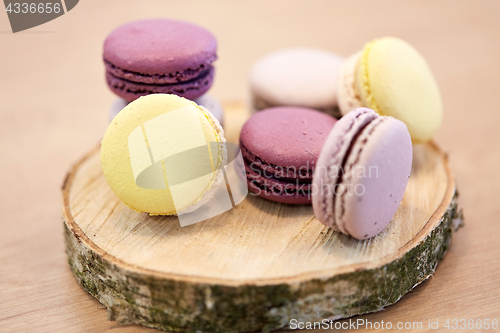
x: 279, y: 172
x: 350, y: 160
x: 336, y: 169
x: 348, y: 96
x: 362, y: 79
x: 276, y: 180
x: 165, y: 78
x: 276, y: 186
x: 131, y: 90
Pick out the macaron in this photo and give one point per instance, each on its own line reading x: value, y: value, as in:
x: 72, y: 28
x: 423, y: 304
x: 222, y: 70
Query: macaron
x: 305, y: 77
x: 210, y: 103
x: 137, y: 151
x: 362, y: 173
x: 391, y: 77
x: 117, y: 105
x: 213, y: 105
x: 280, y: 147
x: 159, y: 56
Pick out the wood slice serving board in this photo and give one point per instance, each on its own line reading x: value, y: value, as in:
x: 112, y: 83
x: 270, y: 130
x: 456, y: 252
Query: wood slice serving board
x: 257, y: 266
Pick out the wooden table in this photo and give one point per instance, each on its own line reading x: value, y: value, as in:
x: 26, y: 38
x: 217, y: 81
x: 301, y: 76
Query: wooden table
x: 55, y: 103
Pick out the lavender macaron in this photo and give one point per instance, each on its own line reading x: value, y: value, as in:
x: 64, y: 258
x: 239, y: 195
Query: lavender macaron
x: 280, y: 147
x: 159, y: 56
x: 362, y: 173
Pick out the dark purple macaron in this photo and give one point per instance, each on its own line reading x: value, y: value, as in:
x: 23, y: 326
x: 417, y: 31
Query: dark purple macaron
x: 159, y: 56
x: 280, y: 147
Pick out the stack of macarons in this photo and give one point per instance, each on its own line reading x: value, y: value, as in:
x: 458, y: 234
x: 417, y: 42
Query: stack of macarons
x: 161, y: 56
x: 357, y: 172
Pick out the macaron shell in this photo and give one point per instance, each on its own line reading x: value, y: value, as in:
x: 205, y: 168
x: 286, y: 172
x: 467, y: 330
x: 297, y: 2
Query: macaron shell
x: 221, y: 161
x: 287, y: 136
x: 329, y: 165
x: 160, y: 47
x: 347, y: 96
x: 280, y: 147
x: 304, y: 77
x: 116, y: 158
x: 395, y: 80
x: 376, y: 174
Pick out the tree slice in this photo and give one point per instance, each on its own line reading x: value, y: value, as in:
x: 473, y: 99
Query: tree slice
x: 257, y: 266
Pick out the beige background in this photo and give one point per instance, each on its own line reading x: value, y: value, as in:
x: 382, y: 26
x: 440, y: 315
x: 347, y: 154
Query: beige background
x: 54, y: 104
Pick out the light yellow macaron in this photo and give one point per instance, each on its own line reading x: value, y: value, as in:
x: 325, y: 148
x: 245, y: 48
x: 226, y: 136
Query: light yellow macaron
x: 162, y: 154
x: 392, y: 78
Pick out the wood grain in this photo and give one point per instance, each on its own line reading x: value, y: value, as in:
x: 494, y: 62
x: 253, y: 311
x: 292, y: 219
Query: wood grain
x: 114, y: 250
x: 257, y: 240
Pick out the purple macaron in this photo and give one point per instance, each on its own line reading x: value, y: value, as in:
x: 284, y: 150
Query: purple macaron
x: 362, y: 173
x: 159, y: 56
x: 280, y: 147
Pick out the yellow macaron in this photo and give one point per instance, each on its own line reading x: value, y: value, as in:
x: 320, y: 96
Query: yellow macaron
x: 144, y: 159
x: 392, y: 78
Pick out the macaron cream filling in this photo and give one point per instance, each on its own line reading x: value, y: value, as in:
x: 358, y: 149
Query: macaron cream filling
x: 362, y: 80
x: 289, y: 181
x: 348, y: 97
x: 163, y: 78
x: 335, y: 170
x: 351, y: 159
x: 138, y: 88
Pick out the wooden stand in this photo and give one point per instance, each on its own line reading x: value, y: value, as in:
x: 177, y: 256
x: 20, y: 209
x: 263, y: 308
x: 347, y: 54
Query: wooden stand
x: 257, y: 266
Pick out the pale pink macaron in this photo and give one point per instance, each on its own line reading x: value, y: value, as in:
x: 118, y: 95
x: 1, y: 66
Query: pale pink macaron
x: 303, y: 77
x: 362, y: 173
